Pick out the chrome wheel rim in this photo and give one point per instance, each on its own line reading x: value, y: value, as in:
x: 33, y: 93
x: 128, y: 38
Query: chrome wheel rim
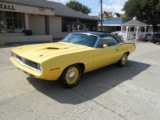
x: 72, y: 75
x: 124, y: 59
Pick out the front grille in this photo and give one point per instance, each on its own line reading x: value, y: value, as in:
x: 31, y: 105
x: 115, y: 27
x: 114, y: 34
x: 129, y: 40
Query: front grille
x: 19, y: 58
x: 30, y: 63
x: 26, y: 62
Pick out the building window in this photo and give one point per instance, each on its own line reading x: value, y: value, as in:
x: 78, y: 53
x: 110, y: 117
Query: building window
x: 11, y: 22
x: 72, y: 24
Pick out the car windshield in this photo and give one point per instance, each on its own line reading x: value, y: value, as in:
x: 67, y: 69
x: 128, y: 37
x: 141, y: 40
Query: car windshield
x: 81, y: 39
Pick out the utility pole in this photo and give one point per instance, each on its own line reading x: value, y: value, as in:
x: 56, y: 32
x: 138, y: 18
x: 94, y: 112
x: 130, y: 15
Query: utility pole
x: 101, y: 15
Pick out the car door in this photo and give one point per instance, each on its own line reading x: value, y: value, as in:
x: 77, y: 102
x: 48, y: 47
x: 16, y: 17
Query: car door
x: 106, y: 55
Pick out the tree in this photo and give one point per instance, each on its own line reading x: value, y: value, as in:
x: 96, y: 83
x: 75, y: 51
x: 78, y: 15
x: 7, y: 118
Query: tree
x: 78, y: 7
x: 147, y: 11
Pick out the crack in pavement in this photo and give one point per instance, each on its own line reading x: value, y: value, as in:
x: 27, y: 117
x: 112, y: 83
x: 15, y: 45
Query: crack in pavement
x: 100, y: 104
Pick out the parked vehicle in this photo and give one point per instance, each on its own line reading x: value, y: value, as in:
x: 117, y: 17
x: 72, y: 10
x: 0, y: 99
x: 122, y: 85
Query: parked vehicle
x: 147, y: 36
x: 156, y: 37
x: 119, y: 33
x: 77, y: 53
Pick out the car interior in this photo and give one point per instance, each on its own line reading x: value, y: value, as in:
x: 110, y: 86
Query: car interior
x: 110, y: 41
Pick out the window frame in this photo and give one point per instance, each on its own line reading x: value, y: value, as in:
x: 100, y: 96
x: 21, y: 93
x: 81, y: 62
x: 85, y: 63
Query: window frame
x: 5, y: 17
x: 90, y: 25
x: 100, y: 44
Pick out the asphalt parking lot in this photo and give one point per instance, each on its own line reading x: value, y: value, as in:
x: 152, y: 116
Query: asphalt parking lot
x: 109, y: 93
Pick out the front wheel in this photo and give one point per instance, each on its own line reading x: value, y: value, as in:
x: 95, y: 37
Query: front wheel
x: 70, y: 76
x: 123, y: 60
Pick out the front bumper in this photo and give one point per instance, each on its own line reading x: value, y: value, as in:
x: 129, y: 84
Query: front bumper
x: 26, y: 69
x: 46, y: 74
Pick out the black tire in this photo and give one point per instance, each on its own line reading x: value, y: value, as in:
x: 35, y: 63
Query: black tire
x: 154, y: 42
x: 122, y: 62
x: 71, y: 76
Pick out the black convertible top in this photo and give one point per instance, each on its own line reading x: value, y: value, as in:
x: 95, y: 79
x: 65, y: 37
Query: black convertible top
x: 102, y: 34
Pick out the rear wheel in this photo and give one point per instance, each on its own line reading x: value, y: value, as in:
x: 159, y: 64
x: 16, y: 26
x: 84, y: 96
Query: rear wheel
x: 154, y: 41
x: 123, y: 60
x: 71, y: 76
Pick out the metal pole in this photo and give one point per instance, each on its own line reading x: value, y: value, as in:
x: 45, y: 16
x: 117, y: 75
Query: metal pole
x: 101, y: 15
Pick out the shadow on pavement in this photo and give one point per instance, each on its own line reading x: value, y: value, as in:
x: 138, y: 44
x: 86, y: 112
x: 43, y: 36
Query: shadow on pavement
x: 92, y: 84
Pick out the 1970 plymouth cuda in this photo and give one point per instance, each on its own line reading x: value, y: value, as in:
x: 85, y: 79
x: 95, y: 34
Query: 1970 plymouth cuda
x: 67, y: 59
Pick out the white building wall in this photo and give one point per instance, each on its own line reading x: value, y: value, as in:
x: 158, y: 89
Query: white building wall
x: 37, y: 24
x: 56, y: 27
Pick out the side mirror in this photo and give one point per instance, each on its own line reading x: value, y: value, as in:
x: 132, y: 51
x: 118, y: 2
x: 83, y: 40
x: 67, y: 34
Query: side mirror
x: 105, y: 45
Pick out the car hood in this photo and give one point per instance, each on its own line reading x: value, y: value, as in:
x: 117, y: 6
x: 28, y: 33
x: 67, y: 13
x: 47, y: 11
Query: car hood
x: 39, y: 52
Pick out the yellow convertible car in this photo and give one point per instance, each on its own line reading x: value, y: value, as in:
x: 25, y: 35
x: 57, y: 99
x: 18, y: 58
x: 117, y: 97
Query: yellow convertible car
x: 67, y: 59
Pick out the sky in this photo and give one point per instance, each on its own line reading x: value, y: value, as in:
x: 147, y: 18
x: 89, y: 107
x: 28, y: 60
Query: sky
x: 108, y: 5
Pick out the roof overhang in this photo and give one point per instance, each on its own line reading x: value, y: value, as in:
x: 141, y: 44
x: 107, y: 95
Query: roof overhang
x: 134, y: 22
x: 67, y: 16
x: 109, y: 25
